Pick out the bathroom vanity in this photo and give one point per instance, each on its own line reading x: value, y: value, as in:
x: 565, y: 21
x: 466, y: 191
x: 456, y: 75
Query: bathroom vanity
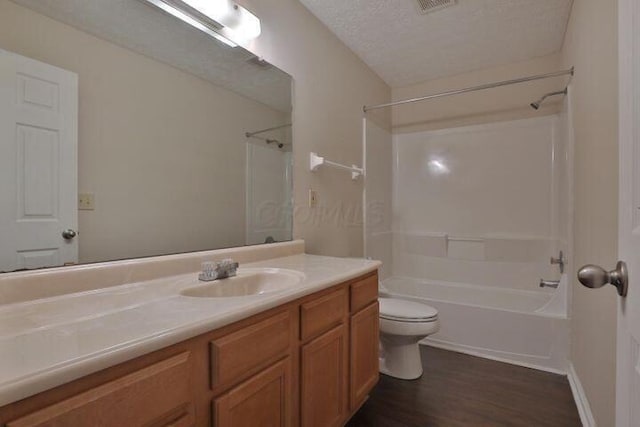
x: 308, y: 360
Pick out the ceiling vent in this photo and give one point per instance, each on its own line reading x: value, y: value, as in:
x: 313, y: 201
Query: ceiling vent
x: 428, y: 6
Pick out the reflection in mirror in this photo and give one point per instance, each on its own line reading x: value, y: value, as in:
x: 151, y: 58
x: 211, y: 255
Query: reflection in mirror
x: 126, y: 132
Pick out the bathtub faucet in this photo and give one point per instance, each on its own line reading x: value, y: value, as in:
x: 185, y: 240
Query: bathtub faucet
x: 559, y: 261
x: 549, y: 283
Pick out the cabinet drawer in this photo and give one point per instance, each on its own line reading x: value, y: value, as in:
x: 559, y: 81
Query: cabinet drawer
x: 323, y: 313
x: 158, y: 395
x: 242, y: 353
x: 364, y: 292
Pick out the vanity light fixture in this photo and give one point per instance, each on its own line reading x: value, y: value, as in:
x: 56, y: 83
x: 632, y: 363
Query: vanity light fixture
x: 236, y: 20
x: 225, y: 20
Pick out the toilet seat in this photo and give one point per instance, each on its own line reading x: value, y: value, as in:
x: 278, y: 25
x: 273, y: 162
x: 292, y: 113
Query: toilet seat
x: 406, y: 311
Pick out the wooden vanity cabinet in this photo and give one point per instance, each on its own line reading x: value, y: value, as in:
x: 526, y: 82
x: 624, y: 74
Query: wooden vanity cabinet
x: 324, y: 361
x: 365, y: 331
x: 364, y: 354
x: 310, y: 362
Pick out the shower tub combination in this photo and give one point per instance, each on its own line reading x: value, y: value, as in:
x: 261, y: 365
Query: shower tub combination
x: 526, y: 328
x: 476, y: 213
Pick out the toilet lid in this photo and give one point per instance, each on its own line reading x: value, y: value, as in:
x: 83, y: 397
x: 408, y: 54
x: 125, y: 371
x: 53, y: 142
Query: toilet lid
x: 398, y: 309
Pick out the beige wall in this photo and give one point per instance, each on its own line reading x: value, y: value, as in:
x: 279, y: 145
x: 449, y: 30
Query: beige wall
x: 591, y: 45
x: 163, y: 151
x: 331, y: 86
x: 504, y: 103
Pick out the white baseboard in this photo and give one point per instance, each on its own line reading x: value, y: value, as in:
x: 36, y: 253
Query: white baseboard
x: 584, y: 410
x: 458, y: 348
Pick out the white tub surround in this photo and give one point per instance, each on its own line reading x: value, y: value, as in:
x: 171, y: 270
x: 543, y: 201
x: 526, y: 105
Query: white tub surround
x: 50, y: 340
x: 485, y: 204
x: 478, y: 212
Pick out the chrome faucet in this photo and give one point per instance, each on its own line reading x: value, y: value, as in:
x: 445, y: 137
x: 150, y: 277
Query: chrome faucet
x: 213, y: 270
x: 560, y: 261
x: 549, y: 283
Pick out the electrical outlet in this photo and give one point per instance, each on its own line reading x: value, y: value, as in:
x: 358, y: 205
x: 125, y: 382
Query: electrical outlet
x: 313, y: 198
x: 86, y: 201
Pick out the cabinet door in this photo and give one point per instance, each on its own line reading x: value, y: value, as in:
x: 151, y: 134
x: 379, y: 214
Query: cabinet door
x: 364, y: 353
x: 325, y: 379
x: 263, y: 400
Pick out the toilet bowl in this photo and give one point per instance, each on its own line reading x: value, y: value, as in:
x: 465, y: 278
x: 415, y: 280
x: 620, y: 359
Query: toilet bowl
x: 402, y: 325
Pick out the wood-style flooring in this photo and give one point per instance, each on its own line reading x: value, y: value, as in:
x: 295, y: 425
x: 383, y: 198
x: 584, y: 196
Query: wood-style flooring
x: 461, y: 390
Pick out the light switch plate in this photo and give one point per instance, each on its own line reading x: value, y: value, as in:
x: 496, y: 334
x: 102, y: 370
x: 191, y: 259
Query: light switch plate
x: 86, y: 201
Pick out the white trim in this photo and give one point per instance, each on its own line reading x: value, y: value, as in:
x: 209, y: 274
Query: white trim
x: 582, y: 403
x: 458, y: 348
x: 365, y: 239
x: 628, y: 241
x: 527, y: 121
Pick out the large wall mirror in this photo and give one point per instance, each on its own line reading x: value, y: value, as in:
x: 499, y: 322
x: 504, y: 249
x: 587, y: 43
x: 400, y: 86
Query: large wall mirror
x: 125, y: 132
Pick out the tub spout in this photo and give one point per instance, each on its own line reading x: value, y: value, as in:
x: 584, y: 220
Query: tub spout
x: 549, y: 283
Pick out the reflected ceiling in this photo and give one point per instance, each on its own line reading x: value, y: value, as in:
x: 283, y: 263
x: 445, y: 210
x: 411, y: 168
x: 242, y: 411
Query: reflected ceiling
x: 143, y: 28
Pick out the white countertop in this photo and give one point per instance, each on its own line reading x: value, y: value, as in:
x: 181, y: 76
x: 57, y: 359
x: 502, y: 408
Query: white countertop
x: 51, y: 341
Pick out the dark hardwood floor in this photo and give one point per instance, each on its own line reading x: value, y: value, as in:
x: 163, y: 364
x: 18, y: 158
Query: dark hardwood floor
x: 461, y: 390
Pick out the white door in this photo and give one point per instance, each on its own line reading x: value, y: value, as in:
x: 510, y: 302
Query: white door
x: 628, y: 360
x: 38, y: 164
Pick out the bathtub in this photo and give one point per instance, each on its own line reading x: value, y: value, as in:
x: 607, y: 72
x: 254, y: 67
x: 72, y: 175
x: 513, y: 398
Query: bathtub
x: 527, y: 328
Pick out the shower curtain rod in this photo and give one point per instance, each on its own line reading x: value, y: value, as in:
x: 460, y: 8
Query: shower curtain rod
x: 250, y: 134
x: 472, y: 89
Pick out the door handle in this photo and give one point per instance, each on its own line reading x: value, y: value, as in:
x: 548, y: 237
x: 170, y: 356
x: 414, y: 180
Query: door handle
x: 594, y: 276
x: 69, y: 234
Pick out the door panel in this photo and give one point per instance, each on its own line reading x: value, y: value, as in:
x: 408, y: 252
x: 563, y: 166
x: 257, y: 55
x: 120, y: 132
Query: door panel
x: 38, y: 163
x: 263, y: 400
x: 364, y: 353
x: 324, y: 377
x: 37, y: 169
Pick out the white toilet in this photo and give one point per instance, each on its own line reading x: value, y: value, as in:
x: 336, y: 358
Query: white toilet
x: 402, y: 325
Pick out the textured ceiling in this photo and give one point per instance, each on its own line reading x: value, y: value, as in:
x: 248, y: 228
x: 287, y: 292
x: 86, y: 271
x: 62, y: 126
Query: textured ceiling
x: 405, y: 47
x: 149, y: 31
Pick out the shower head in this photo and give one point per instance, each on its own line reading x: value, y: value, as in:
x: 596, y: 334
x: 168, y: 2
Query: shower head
x: 536, y: 104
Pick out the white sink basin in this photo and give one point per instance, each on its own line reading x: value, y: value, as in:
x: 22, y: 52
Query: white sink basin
x: 248, y: 282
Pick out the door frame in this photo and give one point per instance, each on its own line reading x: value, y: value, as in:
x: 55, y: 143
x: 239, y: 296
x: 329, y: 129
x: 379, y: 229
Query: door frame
x: 628, y: 130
